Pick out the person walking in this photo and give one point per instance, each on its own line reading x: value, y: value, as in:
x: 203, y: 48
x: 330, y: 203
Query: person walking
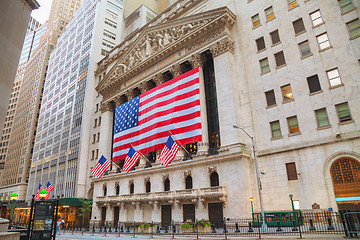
x: 58, y: 224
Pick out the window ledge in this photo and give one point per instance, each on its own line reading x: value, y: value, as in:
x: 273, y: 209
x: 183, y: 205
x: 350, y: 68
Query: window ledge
x: 354, y: 37
x: 324, y: 127
x: 337, y: 86
x: 346, y: 122
x: 348, y: 11
x: 275, y: 44
x: 293, y: 7
x: 270, y: 20
x: 294, y: 134
x: 314, y: 93
x: 271, y: 106
x: 265, y: 72
x: 276, y: 138
x: 318, y: 25
x: 327, y: 48
x: 281, y: 66
x: 287, y: 101
x: 257, y: 26
x: 304, y: 57
x: 262, y: 50
x: 298, y: 34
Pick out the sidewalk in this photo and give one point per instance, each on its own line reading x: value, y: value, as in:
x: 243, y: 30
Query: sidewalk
x: 130, y: 237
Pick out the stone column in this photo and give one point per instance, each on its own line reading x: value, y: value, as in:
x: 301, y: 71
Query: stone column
x: 122, y: 212
x: 138, y: 212
x: 227, y: 90
x: 109, y: 214
x: 156, y: 213
x: 107, y: 122
x: 197, y: 60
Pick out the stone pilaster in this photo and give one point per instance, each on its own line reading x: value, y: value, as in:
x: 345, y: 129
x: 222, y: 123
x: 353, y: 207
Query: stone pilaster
x: 105, y: 144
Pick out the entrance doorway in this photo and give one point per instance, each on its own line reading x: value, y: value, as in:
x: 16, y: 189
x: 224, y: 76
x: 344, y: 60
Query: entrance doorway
x: 189, y: 212
x: 103, y: 216
x: 116, y: 215
x: 345, y: 174
x: 216, y: 214
x: 165, y: 215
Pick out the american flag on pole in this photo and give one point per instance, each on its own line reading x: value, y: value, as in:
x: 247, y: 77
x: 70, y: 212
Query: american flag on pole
x: 169, y: 151
x: 145, y: 121
x: 100, y: 167
x: 49, y: 188
x: 131, y: 159
x: 38, y: 191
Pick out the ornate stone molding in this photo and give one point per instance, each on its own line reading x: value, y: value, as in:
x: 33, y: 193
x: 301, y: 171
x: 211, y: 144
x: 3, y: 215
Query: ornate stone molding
x: 197, y: 60
x: 176, y: 70
x: 146, y: 179
x: 187, y: 173
x: 165, y: 176
x: 225, y: 45
x: 212, y: 169
x: 106, y: 107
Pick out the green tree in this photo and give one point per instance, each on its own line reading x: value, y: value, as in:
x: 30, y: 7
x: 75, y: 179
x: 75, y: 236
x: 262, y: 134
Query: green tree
x: 86, y: 207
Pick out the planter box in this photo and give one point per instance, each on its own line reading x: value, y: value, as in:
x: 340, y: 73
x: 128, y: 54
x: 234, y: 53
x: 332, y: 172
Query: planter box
x: 146, y: 230
x: 203, y: 229
x: 188, y: 229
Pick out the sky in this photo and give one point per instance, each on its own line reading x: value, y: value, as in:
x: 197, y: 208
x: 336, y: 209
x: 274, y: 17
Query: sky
x: 42, y: 14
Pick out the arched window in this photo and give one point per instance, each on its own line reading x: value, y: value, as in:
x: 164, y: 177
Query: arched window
x: 167, y: 185
x: 188, y: 182
x: 105, y: 191
x: 131, y: 188
x: 148, y: 187
x: 214, y: 179
x: 117, y: 190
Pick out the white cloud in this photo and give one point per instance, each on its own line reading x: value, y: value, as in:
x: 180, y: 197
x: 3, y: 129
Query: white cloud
x: 42, y: 14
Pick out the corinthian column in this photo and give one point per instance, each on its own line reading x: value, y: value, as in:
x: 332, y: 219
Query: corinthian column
x: 107, y: 122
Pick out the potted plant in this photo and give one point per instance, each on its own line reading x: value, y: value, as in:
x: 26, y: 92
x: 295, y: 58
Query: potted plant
x: 203, y: 226
x: 146, y: 228
x: 187, y: 226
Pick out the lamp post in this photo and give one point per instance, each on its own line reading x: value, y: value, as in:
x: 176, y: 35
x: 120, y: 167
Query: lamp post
x: 43, y: 194
x: 13, y: 198
x: 264, y: 226
x: 252, y: 207
x: 293, y: 206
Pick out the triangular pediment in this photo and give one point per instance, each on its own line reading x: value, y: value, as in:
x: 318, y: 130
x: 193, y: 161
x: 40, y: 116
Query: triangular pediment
x: 145, y: 47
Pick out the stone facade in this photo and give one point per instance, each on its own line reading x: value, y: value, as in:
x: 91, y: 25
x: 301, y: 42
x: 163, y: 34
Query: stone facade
x: 190, y: 31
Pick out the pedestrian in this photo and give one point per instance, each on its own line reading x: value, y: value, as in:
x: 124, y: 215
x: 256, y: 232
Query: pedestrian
x: 58, y: 224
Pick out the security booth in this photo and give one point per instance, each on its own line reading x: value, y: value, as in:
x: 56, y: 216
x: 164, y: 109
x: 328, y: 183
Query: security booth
x: 285, y: 218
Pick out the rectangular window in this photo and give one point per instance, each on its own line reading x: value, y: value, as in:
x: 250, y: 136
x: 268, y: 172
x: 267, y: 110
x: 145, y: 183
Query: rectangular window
x: 255, y: 20
x: 264, y: 64
x: 286, y: 93
x: 313, y: 83
x: 334, y: 77
x: 292, y: 4
x: 280, y: 59
x: 99, y: 120
x: 269, y: 13
x: 323, y: 41
x: 260, y: 43
x: 95, y: 123
x: 275, y: 129
x: 299, y: 26
x: 354, y: 28
x: 97, y: 154
x: 343, y: 112
x: 270, y: 98
x: 93, y: 155
x: 293, y: 125
x: 322, y: 118
x: 346, y: 5
x: 305, y: 49
x: 291, y: 171
x: 275, y: 38
x: 98, y: 137
x: 94, y: 138
x: 316, y: 18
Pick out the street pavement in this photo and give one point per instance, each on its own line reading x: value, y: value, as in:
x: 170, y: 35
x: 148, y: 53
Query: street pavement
x: 130, y: 237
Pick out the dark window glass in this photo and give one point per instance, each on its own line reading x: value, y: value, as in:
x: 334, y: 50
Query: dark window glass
x: 117, y: 190
x: 131, y: 188
x: 299, y: 26
x: 148, y: 186
x: 214, y: 179
x: 280, y: 59
x: 260, y: 43
x: 314, y: 84
x: 188, y: 182
x: 275, y: 38
x: 270, y: 98
x: 291, y: 171
x: 105, y: 191
x: 167, y: 185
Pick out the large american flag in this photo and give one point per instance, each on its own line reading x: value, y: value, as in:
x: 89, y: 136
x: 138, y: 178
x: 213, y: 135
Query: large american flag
x: 145, y: 121
x: 38, y: 191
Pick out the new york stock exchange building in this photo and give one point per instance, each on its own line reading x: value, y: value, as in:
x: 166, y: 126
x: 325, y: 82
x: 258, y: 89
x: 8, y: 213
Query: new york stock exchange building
x: 252, y: 73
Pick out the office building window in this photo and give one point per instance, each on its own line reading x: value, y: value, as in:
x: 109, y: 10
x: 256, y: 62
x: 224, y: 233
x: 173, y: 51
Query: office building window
x: 286, y: 93
x: 334, y: 77
x: 316, y: 18
x: 313, y: 83
x: 291, y: 171
x: 322, y: 118
x: 343, y: 112
x: 323, y: 41
x: 354, y: 28
x: 292, y: 4
x: 260, y: 43
x: 299, y: 26
x: 264, y: 64
x: 270, y: 98
x: 280, y: 59
x: 346, y: 5
x: 275, y: 38
x: 293, y: 125
x: 269, y: 13
x: 304, y: 49
x: 255, y: 20
x: 275, y: 129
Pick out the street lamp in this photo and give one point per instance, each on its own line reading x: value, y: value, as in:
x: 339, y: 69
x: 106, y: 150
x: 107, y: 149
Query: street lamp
x: 264, y: 227
x: 43, y: 194
x: 13, y: 198
x: 252, y: 207
x: 295, y: 205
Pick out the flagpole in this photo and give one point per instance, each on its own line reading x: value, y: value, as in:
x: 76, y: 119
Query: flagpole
x: 141, y: 154
x: 181, y: 144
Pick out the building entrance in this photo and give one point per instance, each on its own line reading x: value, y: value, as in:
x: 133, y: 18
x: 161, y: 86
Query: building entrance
x: 165, y: 215
x: 103, y: 216
x: 189, y: 212
x: 345, y: 174
x: 216, y: 214
x: 116, y: 215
